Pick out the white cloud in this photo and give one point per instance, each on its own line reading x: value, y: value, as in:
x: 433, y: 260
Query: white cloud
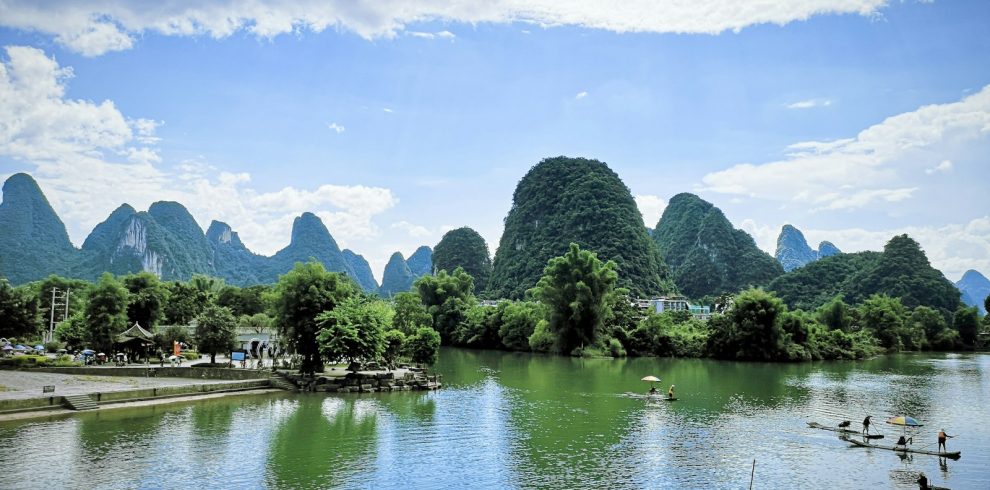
x: 943, y: 166
x: 874, y: 166
x: 336, y: 127
x: 387, y: 110
x: 810, y: 103
x: 651, y: 208
x: 94, y: 28
x: 581, y: 95
x: 433, y: 35
x: 415, y: 231
x: 89, y: 158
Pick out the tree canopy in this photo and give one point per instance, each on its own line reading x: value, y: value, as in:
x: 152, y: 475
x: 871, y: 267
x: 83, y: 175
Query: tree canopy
x: 576, y: 289
x: 301, y: 295
x: 354, y: 330
x: 215, y: 331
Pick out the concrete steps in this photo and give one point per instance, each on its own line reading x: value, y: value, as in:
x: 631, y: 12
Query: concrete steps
x: 80, y: 402
x: 283, y: 384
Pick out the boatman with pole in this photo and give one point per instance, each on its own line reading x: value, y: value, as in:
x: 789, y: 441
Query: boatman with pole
x: 670, y: 392
x: 942, y: 436
x: 866, y: 425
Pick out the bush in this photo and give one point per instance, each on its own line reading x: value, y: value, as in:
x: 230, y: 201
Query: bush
x: 191, y: 355
x: 542, y: 339
x: 24, y: 361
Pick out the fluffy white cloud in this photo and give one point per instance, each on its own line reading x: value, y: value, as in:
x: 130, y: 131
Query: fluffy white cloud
x: 336, y: 128
x: 810, y: 104
x: 94, y: 28
x: 433, y: 35
x: 580, y: 95
x: 874, y: 166
x: 651, y: 208
x: 943, y: 166
x: 89, y: 158
x: 415, y: 231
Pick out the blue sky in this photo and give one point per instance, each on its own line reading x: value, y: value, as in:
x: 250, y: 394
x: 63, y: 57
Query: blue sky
x: 853, y: 120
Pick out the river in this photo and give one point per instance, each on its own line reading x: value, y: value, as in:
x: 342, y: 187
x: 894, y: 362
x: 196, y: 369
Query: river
x: 522, y: 420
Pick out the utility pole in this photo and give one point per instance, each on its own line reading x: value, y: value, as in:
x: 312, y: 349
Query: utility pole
x: 59, y: 299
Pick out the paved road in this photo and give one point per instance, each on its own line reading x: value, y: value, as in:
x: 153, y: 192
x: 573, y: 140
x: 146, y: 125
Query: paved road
x: 28, y: 384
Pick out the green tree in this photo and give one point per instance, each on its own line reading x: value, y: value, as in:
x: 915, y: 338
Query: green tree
x: 885, y: 317
x: 410, y: 314
x: 424, y: 346
x: 75, y: 288
x: 18, y: 312
x: 480, y: 328
x: 185, y: 302
x: 244, y: 301
x: 256, y: 323
x: 751, y: 330
x: 166, y: 338
x: 447, y: 298
x: 106, y: 312
x: 73, y: 332
x: 929, y: 321
x: 354, y: 330
x: 301, y: 295
x: 835, y: 314
x: 576, y: 289
x: 146, y: 299
x: 208, y: 286
x: 519, y: 321
x: 966, y: 321
x: 215, y: 331
x: 394, y: 343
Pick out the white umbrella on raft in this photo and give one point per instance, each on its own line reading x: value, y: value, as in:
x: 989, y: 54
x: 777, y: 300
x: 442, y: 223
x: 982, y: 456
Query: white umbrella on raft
x: 651, y: 379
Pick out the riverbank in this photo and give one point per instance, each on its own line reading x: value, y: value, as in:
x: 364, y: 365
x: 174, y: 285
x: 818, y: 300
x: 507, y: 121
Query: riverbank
x: 45, y: 392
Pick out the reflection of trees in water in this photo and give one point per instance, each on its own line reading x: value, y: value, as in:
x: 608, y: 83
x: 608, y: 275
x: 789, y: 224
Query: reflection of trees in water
x: 326, y: 441
x: 410, y: 406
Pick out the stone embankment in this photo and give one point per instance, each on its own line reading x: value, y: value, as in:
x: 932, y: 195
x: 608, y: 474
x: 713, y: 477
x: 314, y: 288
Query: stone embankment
x: 367, y: 381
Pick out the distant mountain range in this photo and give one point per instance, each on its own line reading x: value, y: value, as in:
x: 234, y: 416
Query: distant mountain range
x: 793, y: 250
x: 165, y: 240
x: 975, y: 288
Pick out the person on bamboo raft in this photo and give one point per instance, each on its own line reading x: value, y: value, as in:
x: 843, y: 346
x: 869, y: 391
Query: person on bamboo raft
x: 942, y: 436
x: 904, y: 442
x: 866, y: 424
x: 670, y: 392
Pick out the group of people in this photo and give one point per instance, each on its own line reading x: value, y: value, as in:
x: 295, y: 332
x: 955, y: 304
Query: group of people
x: 902, y: 441
x: 670, y: 391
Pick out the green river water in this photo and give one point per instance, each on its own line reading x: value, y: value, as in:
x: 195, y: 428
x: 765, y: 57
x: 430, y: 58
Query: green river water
x: 509, y: 420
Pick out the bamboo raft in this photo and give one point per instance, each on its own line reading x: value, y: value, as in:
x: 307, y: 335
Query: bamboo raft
x: 842, y: 430
x: 906, y: 449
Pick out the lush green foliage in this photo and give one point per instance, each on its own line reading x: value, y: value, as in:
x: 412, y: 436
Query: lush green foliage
x: 576, y: 289
x: 185, y: 302
x: 354, y: 330
x: 106, y: 312
x: 900, y: 271
x: 249, y: 300
x: 73, y: 332
x: 520, y: 319
x: 706, y: 255
x: 395, y: 342
x: 836, y: 315
x: 302, y: 294
x: 447, y: 298
x: 423, y: 347
x: 966, y: 321
x: 751, y: 330
x: 573, y: 200
x: 33, y: 240
x: 18, y: 312
x: 215, y: 331
x: 410, y: 314
x: 146, y: 299
x: 465, y: 248
x: 667, y: 334
x: 885, y: 317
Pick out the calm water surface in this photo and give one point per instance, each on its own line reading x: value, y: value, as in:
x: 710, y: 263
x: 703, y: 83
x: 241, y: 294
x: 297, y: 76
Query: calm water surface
x: 520, y: 420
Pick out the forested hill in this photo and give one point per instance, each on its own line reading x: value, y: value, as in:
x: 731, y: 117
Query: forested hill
x: 902, y: 270
x: 33, y: 240
x: 706, y: 255
x: 793, y: 250
x: 975, y: 288
x: 563, y: 200
x: 465, y: 248
x: 165, y: 240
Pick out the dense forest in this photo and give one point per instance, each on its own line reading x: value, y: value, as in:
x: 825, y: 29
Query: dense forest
x: 465, y: 248
x: 563, y: 200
